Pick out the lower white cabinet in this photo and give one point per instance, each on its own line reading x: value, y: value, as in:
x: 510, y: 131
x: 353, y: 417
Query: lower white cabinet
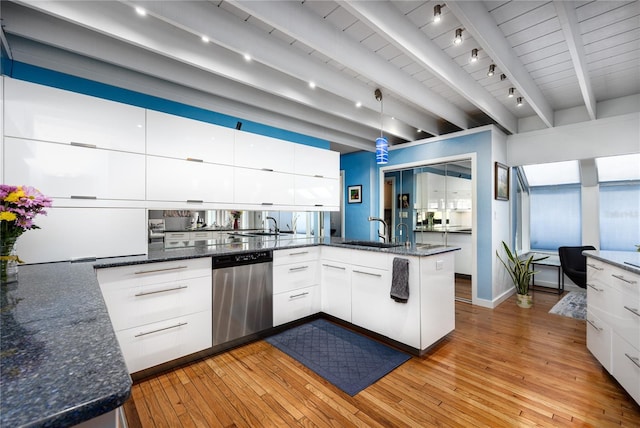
x: 613, y: 321
x: 296, y: 289
x: 336, y: 288
x: 295, y: 304
x: 77, y: 233
x: 159, y: 311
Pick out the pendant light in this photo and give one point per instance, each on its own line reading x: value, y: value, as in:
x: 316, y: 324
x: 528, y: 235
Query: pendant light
x: 382, y: 145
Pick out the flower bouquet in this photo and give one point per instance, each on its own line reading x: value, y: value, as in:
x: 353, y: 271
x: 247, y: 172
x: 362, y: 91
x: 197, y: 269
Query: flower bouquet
x: 18, y: 206
x: 235, y: 215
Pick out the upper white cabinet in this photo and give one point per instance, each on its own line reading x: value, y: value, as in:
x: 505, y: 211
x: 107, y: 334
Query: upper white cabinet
x: 316, y: 162
x: 188, y: 181
x: 44, y: 113
x: 263, y: 187
x: 266, y: 153
x: 317, y: 192
x: 182, y: 138
x: 64, y: 171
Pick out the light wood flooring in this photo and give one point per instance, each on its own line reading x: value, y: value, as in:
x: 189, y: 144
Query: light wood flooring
x: 505, y: 367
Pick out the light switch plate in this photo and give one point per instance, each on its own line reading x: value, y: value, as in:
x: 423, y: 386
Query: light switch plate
x: 439, y: 264
x: 404, y: 214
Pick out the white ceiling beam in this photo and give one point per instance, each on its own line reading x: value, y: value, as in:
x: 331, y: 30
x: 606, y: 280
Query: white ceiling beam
x: 476, y: 19
x: 51, y: 31
x: 385, y: 19
x: 569, y: 22
x: 229, y: 31
x: 296, y: 21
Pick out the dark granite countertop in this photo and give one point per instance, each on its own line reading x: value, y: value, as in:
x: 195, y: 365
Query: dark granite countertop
x: 60, y: 360
x: 627, y: 260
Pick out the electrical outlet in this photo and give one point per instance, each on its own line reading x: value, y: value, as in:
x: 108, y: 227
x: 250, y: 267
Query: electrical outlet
x: 439, y: 264
x: 404, y: 214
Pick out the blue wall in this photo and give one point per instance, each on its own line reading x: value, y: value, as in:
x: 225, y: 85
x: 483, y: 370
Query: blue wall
x: 30, y: 73
x: 361, y: 167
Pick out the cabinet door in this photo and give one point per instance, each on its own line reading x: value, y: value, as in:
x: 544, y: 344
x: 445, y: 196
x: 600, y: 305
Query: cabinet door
x: 626, y: 366
x: 335, y: 289
x: 295, y: 276
x: 316, y: 192
x: 263, y: 187
x: 464, y: 256
x: 61, y: 170
x: 77, y: 233
x: 260, y: 152
x: 599, y: 340
x: 44, y: 113
x: 181, y: 180
x: 178, y: 137
x: 316, y: 162
x: 369, y: 293
x: 295, y: 304
x: 437, y: 297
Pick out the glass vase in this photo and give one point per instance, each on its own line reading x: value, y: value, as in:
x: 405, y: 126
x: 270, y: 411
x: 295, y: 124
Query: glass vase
x: 8, y: 261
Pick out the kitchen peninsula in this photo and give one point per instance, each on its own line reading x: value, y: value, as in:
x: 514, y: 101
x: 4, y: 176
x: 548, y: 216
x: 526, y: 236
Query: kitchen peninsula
x: 61, y: 363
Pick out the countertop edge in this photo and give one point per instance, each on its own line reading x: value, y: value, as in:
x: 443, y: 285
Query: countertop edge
x: 619, y: 259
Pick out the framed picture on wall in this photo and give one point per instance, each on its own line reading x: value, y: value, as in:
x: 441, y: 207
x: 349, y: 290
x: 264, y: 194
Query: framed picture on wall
x: 502, y: 182
x: 354, y: 194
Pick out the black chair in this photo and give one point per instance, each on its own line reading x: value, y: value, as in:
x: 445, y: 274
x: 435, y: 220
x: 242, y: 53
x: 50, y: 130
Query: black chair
x: 574, y: 264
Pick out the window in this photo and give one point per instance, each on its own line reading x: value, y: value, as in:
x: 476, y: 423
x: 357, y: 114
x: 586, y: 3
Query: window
x: 619, y: 216
x: 555, y: 216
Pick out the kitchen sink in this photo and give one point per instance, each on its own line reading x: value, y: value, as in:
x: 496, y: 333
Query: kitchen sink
x: 374, y: 244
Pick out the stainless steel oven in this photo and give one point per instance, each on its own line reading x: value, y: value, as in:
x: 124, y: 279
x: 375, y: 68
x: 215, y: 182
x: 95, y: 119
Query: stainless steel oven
x: 242, y: 295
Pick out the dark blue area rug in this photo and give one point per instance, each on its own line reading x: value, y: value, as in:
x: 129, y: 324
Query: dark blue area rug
x: 347, y: 359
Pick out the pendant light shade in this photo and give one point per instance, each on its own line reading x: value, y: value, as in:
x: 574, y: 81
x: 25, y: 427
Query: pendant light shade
x: 382, y: 145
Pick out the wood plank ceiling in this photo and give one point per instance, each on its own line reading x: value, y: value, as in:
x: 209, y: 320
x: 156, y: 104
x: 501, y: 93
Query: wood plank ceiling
x: 554, y: 54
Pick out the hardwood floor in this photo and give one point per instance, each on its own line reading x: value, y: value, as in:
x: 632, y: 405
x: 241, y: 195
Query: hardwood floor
x: 500, y: 368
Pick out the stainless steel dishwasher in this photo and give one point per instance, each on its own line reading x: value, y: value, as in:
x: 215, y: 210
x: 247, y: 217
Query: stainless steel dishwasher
x: 242, y: 295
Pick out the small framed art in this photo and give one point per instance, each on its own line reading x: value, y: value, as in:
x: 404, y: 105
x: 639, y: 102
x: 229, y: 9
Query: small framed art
x: 502, y: 182
x: 354, y: 194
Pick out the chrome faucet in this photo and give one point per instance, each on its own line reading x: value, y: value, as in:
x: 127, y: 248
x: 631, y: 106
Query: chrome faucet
x: 276, y: 230
x: 407, y: 241
x: 384, y: 228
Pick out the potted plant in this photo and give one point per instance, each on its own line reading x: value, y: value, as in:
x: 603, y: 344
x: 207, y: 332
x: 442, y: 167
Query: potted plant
x: 520, y: 273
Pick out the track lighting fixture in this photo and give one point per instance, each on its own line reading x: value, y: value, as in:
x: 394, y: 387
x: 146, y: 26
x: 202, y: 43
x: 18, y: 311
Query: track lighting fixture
x: 437, y: 13
x: 474, y: 55
x: 512, y: 92
x: 520, y: 101
x: 458, y: 39
x: 503, y: 77
x: 492, y: 70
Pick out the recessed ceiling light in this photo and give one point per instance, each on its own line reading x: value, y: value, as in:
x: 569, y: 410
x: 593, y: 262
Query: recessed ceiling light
x: 247, y: 57
x: 419, y: 130
x: 358, y: 104
x: 312, y: 85
x: 140, y: 11
x: 205, y: 39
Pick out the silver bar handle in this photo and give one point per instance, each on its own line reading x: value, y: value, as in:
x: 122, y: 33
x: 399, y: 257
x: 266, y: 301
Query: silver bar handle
x: 367, y: 273
x: 267, y: 169
x: 181, y: 287
x: 632, y: 310
x: 594, y: 287
x: 634, y: 360
x: 298, y: 253
x: 85, y: 145
x: 596, y: 267
x: 194, y: 201
x: 319, y: 176
x: 180, y: 324
x: 83, y: 197
x: 334, y: 266
x: 194, y: 160
x: 267, y: 203
x: 293, y: 269
x: 593, y: 325
x: 293, y: 296
x: 621, y: 278
x: 141, y: 272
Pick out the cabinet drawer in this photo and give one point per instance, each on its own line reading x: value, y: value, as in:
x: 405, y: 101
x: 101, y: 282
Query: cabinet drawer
x: 154, y: 273
x: 626, y: 366
x: 599, y: 340
x: 371, y: 259
x: 176, y: 236
x: 146, y: 304
x: 626, y: 317
x: 296, y: 304
x: 337, y: 254
x: 153, y: 344
x: 202, y: 235
x: 294, y: 276
x: 295, y: 255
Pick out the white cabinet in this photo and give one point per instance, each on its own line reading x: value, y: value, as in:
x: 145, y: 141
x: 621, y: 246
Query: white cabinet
x: 38, y: 112
x: 316, y: 162
x: 160, y: 311
x: 178, y: 137
x: 317, y: 192
x: 464, y: 256
x: 67, y: 171
x: 187, y: 181
x: 437, y: 297
x: 613, y: 321
x: 335, y: 280
x: 296, y: 289
x: 265, y: 153
x: 267, y: 188
x: 77, y: 233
